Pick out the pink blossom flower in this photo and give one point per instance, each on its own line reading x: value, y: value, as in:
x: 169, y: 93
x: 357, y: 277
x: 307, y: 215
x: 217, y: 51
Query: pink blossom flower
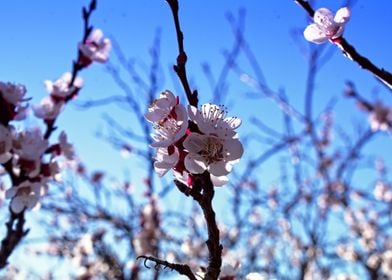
x: 5, y: 144
x: 30, y: 144
x: 66, y: 148
x: 96, y: 48
x: 326, y: 26
x: 48, y: 109
x: 62, y: 88
x: 25, y: 195
x: 12, y: 93
x: 166, y: 158
x: 211, y: 119
x: 169, y: 119
x: 209, y: 152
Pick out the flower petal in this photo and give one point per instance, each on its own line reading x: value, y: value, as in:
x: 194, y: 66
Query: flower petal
x: 219, y: 168
x: 195, y: 163
x: 233, y: 149
x: 194, y: 143
x: 323, y: 16
x: 219, y: 181
x: 342, y: 15
x: 314, y: 34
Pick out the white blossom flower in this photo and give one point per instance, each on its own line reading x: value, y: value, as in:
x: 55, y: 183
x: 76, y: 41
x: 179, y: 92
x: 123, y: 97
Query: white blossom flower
x: 170, y: 120
x: 5, y: 144
x: 67, y: 149
x: 96, y: 48
x: 209, y: 152
x: 165, y: 159
x: 62, y: 88
x: 326, y: 26
x: 48, y: 109
x: 211, y: 119
x: 381, y: 117
x: 386, y: 265
x: 30, y: 144
x: 12, y: 93
x: 25, y: 195
x: 255, y: 276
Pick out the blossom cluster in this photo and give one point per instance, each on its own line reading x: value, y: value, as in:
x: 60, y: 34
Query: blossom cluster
x: 191, y: 141
x: 26, y: 155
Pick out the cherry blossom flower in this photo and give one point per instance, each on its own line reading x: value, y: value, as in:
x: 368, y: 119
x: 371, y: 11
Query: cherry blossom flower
x: 30, y: 144
x: 169, y: 118
x: 67, y: 149
x: 62, y: 88
x: 25, y: 195
x: 48, y: 109
x: 5, y: 144
x: 211, y: 119
x: 326, y: 26
x: 165, y: 159
x: 209, y: 152
x: 381, y: 117
x: 255, y: 276
x: 96, y: 48
x: 12, y: 93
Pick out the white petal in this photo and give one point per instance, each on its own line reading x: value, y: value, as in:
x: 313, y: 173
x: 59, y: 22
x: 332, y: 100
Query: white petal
x: 342, y: 15
x: 322, y: 15
x: 18, y: 204
x: 195, y: 163
x: 218, y: 181
x: 10, y: 193
x: 219, y: 168
x: 194, y: 143
x: 314, y: 34
x: 233, y: 149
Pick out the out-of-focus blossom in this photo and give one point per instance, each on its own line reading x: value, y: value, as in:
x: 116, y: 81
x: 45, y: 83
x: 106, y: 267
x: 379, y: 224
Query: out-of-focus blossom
x: 386, y: 265
x: 211, y: 119
x: 5, y: 144
x: 96, y: 48
x: 212, y: 153
x: 67, y: 149
x: 169, y: 119
x: 383, y: 191
x: 30, y: 144
x: 48, y: 109
x: 380, y: 117
x: 12, y: 93
x: 62, y: 88
x: 25, y: 195
x: 327, y: 26
x: 255, y: 276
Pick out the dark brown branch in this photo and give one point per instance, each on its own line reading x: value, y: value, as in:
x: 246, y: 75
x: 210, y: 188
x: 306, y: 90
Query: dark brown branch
x: 182, y: 269
x: 350, y: 52
x: 179, y: 68
x: 13, y: 237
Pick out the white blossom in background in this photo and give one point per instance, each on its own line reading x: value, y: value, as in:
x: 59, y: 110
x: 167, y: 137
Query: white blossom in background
x: 383, y: 191
x: 67, y: 149
x: 5, y: 144
x: 327, y: 26
x: 386, y: 265
x: 62, y: 88
x: 169, y: 118
x: 380, y: 117
x: 25, y: 195
x: 30, y: 144
x: 48, y: 109
x: 12, y: 93
x: 255, y: 276
x: 96, y: 48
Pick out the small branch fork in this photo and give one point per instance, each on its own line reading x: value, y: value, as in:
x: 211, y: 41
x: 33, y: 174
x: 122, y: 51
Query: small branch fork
x: 350, y: 52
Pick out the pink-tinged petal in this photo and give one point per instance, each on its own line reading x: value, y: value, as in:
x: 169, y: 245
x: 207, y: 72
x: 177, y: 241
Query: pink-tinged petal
x: 96, y: 35
x: 342, y: 15
x: 192, y: 112
x: 219, y: 168
x: 219, y: 181
x: 5, y: 157
x: 233, y: 122
x: 153, y: 116
x: 194, y: 143
x: 10, y: 193
x: 323, y: 16
x: 195, y: 163
x: 339, y: 32
x: 314, y: 34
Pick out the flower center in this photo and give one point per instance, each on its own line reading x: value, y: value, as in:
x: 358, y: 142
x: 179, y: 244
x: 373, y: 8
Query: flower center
x: 167, y: 127
x: 213, y: 150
